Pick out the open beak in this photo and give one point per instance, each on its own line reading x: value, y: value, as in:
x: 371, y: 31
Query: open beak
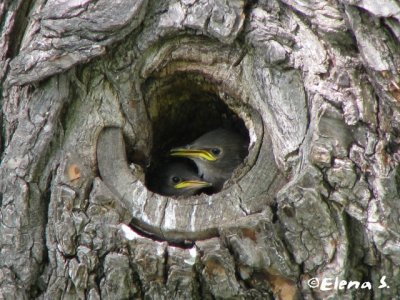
x: 193, y: 153
x: 192, y: 184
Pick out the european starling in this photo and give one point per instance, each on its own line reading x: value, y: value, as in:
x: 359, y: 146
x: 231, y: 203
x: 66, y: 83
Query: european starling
x: 177, y: 179
x: 216, y: 154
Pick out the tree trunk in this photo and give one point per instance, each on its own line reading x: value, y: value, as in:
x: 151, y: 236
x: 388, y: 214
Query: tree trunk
x: 93, y: 92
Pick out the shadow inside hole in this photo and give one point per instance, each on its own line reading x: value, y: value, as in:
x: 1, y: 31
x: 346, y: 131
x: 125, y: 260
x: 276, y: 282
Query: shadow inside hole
x: 181, y: 109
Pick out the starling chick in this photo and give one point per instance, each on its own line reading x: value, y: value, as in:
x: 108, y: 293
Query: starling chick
x: 216, y: 154
x: 177, y: 179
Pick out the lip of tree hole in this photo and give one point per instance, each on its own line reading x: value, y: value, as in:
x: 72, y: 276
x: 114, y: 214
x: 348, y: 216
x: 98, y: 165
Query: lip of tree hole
x: 181, y: 108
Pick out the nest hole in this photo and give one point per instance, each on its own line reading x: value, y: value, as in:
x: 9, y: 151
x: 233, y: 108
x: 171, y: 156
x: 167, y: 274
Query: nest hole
x: 181, y: 108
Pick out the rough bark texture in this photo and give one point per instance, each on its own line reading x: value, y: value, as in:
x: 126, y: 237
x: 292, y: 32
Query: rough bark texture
x: 92, y: 91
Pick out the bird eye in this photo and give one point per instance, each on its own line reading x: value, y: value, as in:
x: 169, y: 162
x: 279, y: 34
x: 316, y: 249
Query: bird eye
x: 215, y: 151
x: 176, y: 179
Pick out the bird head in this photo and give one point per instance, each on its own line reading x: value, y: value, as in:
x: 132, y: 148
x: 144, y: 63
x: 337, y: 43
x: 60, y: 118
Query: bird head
x: 221, y: 149
x: 178, y: 179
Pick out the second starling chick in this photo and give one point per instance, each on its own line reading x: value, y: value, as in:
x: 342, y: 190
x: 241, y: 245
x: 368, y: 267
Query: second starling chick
x: 177, y: 179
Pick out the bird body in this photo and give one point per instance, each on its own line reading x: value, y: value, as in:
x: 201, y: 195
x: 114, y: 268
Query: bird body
x: 178, y: 179
x: 216, y: 154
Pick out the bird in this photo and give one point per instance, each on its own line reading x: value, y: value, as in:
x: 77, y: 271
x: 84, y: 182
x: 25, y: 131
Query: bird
x: 177, y: 178
x: 216, y: 154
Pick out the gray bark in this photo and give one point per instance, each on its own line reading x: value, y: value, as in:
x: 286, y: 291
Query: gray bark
x: 91, y: 89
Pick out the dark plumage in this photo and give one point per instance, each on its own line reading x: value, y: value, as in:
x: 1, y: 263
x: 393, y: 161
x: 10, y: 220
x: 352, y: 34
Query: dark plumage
x: 216, y: 154
x: 177, y: 179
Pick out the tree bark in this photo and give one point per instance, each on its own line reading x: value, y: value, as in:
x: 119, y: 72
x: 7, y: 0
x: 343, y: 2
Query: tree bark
x: 94, y: 91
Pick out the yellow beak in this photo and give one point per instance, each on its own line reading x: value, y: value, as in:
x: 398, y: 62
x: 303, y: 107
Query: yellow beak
x: 190, y: 184
x: 193, y: 153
